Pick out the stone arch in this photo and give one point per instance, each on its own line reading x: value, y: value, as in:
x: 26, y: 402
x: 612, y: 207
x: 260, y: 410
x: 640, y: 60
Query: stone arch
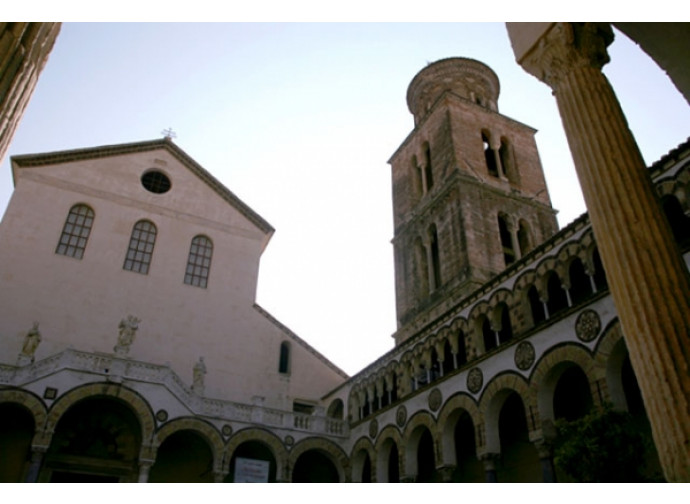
x: 274, y: 444
x: 389, y: 436
x: 207, y: 431
x: 411, y: 437
x: 34, y: 405
x: 361, y: 449
x: 134, y: 400
x: 257, y: 435
x: 447, y: 417
x: 550, y: 368
x: 492, y: 399
x: 326, y: 447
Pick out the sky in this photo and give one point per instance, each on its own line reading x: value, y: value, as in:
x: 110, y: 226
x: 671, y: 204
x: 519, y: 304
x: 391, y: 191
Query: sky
x: 299, y: 121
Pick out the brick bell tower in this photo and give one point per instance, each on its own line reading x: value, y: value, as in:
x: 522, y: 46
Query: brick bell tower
x: 469, y: 195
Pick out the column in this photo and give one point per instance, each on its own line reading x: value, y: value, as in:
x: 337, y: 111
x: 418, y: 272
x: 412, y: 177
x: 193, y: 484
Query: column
x: 648, y: 279
x: 37, y: 454
x: 489, y: 461
x: 548, y: 470
x: 144, y: 468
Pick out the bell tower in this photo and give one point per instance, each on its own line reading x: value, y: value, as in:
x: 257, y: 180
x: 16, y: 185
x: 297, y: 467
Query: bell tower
x: 469, y: 195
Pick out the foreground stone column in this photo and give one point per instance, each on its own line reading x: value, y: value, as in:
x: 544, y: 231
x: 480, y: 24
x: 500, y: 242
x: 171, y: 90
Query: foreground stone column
x: 37, y: 455
x: 648, y: 280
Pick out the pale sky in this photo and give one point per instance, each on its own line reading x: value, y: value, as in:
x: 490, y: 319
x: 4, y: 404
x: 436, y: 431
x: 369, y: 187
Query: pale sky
x: 299, y: 121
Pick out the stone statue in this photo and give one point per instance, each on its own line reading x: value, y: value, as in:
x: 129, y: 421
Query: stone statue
x: 128, y: 329
x: 31, y: 341
x: 199, y: 373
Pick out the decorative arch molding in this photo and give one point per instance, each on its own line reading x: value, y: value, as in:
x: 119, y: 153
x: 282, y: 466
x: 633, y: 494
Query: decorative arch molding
x: 611, y: 334
x: 325, y: 446
x: 446, y: 420
x: 481, y: 308
x: 362, y: 447
x: 460, y: 324
x: 410, y: 439
x: 501, y: 296
x: 140, y: 407
x: 525, y: 280
x: 273, y: 442
x: 550, y: 368
x: 36, y: 408
x: 207, y: 431
x: 491, y: 402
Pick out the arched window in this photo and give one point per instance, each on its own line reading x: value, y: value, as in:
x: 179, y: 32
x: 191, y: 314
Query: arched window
x: 422, y: 265
x: 140, y: 248
x: 284, y: 359
x: 505, y: 153
x: 199, y: 262
x: 580, y: 285
x: 417, y: 182
x: 506, y: 332
x: 489, y: 156
x: 680, y: 223
x: 558, y: 299
x: 435, y: 257
x: 536, y: 306
x: 524, y: 241
x: 488, y: 334
x: 428, y: 172
x: 506, y: 241
x: 76, y: 232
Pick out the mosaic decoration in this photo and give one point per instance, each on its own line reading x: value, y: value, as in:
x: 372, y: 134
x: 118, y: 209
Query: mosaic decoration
x: 475, y: 380
x: 373, y: 428
x: 226, y: 430
x: 435, y: 399
x: 289, y: 440
x: 587, y: 325
x: 161, y: 415
x: 401, y: 416
x: 50, y: 393
x: 524, y: 355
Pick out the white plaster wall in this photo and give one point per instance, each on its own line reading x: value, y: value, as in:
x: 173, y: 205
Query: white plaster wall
x: 80, y: 303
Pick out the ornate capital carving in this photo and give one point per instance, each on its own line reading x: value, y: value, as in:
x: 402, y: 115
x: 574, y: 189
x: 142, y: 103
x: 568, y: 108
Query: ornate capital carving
x: 565, y: 47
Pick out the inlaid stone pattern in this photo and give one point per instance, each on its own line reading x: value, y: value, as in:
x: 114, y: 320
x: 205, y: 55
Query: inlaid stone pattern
x: 289, y: 440
x: 401, y: 416
x: 226, y: 430
x: 373, y: 428
x: 161, y: 415
x: 435, y: 399
x: 475, y: 380
x: 524, y: 355
x: 587, y: 325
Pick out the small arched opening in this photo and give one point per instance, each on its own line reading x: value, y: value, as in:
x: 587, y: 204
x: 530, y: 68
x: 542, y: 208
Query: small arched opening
x: 313, y: 466
x: 17, y: 428
x: 183, y: 457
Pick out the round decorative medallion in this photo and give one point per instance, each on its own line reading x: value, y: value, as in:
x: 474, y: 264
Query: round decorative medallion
x: 289, y: 440
x: 587, y: 325
x: 161, y: 415
x: 475, y: 380
x: 226, y: 430
x: 435, y: 399
x: 373, y: 428
x: 524, y: 355
x: 401, y: 416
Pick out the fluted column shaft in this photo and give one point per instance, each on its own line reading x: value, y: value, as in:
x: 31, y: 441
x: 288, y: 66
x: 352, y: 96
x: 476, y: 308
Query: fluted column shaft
x: 648, y: 279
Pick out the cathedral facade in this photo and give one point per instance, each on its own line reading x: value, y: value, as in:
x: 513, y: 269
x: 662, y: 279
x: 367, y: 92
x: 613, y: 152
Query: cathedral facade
x: 132, y: 348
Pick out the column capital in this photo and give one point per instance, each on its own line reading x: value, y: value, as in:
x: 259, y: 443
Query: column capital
x: 566, y: 46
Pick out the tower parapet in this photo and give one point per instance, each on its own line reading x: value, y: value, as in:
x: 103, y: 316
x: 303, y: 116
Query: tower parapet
x: 464, y: 77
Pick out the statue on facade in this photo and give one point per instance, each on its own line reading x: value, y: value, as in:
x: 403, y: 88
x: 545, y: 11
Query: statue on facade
x: 128, y: 329
x: 31, y: 342
x: 198, y: 376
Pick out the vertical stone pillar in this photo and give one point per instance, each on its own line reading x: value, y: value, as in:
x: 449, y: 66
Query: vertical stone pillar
x: 144, y: 469
x: 37, y: 455
x: 548, y: 470
x: 648, y: 280
x: 489, y: 461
